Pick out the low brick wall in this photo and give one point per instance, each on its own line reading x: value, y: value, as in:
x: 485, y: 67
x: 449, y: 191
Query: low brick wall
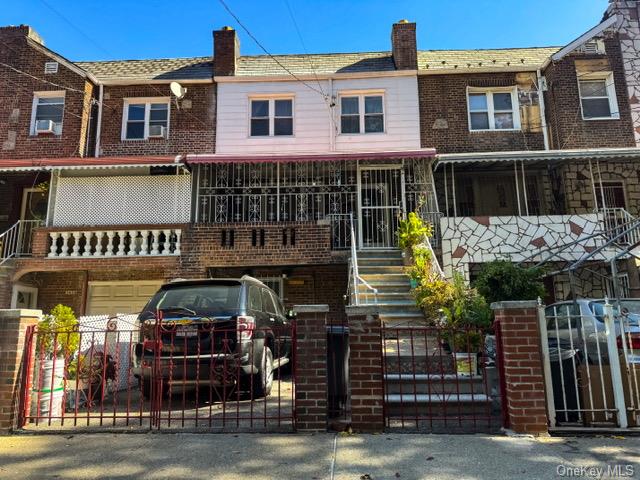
x: 522, y: 366
x: 13, y: 327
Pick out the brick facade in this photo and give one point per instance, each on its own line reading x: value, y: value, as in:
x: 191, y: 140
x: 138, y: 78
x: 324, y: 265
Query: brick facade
x: 191, y: 127
x: 16, y: 100
x: 444, y: 121
x: 567, y: 128
x: 226, y: 51
x: 13, y: 326
x: 522, y: 366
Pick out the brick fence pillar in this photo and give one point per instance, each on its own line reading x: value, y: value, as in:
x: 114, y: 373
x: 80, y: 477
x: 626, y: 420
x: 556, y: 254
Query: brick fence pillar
x: 13, y: 326
x: 365, y: 368
x: 522, y: 366
x: 311, y: 367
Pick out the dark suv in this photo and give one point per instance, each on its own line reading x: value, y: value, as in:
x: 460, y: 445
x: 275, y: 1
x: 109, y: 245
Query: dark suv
x: 221, y: 333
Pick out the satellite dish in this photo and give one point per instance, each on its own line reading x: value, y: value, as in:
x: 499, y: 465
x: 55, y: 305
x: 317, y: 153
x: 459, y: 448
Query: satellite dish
x: 178, y: 90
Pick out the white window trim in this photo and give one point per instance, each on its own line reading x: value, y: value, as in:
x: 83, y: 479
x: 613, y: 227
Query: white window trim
x: 361, y: 94
x: 272, y: 115
x: 515, y: 104
x: 147, y: 107
x: 611, y: 93
x: 34, y: 106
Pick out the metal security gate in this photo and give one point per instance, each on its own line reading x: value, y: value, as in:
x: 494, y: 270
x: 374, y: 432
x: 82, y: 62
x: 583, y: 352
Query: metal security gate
x: 121, y: 376
x: 381, y: 204
x: 592, y: 363
x: 439, y: 379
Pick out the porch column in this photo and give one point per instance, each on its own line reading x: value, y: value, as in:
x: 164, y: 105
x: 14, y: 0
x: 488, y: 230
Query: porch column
x: 13, y: 368
x: 515, y: 174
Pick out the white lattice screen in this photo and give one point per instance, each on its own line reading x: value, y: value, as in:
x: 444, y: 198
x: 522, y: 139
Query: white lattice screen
x: 152, y: 199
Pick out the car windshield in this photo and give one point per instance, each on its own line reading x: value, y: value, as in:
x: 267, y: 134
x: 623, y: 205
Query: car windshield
x: 630, y: 308
x: 195, y: 300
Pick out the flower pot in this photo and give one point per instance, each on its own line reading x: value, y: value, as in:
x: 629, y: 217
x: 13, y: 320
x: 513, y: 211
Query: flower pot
x: 466, y: 363
x: 48, y: 389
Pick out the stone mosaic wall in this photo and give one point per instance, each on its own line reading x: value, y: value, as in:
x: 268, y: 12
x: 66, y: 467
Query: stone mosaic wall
x: 629, y: 34
x: 469, y: 240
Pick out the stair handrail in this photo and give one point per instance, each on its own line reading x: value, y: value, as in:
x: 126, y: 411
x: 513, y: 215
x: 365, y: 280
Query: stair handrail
x: 435, y: 265
x: 615, y: 218
x: 356, y: 279
x: 9, y: 242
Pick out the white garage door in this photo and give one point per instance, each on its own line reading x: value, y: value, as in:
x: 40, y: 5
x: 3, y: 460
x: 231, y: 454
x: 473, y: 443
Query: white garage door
x: 110, y: 298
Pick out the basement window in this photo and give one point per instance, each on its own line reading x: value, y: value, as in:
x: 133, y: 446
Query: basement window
x: 598, y: 97
x: 493, y: 109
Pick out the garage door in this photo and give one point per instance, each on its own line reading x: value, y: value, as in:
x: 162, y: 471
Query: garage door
x: 110, y: 298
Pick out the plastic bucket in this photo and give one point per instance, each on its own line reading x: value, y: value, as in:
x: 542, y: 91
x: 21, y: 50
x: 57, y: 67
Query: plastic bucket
x: 466, y: 364
x: 48, y: 389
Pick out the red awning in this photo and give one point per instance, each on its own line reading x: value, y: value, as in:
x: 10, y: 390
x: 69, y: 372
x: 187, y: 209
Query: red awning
x: 21, y: 165
x: 311, y: 157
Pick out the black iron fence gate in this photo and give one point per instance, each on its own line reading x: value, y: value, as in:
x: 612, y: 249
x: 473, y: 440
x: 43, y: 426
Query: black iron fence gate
x: 158, y: 375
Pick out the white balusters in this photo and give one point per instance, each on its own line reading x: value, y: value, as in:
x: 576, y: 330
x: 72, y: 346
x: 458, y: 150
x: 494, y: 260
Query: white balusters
x: 134, y: 243
x: 76, y: 244
x: 98, y: 250
x: 121, y: 238
x: 156, y: 242
x: 109, y: 251
x: 53, y: 251
x: 176, y: 250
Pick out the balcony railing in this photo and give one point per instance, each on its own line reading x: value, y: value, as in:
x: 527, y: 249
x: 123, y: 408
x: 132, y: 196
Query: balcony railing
x: 16, y: 241
x: 114, y: 243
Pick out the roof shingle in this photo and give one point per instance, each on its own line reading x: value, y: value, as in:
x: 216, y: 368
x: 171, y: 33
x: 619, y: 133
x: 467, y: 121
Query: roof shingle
x: 201, y: 68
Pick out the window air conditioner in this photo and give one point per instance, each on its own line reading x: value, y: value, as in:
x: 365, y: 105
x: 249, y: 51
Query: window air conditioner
x: 44, y: 126
x: 157, y: 131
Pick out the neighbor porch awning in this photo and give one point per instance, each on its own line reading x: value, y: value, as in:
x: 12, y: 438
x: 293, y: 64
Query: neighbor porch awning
x: 49, y: 164
x: 426, y: 153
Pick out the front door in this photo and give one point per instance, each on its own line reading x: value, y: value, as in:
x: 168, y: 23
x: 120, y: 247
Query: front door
x: 381, y: 205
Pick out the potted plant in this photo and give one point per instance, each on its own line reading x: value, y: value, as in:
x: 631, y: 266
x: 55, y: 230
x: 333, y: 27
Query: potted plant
x: 57, y: 342
x: 412, y: 233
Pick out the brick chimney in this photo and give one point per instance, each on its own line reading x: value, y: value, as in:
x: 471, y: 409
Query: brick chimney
x: 226, y: 51
x: 13, y: 31
x: 404, y: 46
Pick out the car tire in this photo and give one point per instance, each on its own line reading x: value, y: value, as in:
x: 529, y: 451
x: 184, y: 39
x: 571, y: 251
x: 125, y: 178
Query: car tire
x: 145, y: 389
x: 263, y: 380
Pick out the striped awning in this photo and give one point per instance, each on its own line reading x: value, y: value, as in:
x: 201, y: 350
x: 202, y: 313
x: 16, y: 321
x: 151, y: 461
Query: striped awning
x: 48, y: 164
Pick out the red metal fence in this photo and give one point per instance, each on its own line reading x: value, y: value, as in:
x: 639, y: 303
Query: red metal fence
x: 159, y: 375
x: 440, y: 380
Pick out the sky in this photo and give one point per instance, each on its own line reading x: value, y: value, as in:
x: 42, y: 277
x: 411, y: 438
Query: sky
x: 129, y: 29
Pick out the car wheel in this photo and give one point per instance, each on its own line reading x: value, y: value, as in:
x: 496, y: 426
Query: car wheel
x: 263, y: 380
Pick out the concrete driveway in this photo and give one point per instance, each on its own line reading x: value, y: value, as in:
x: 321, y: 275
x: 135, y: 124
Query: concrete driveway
x: 313, y: 457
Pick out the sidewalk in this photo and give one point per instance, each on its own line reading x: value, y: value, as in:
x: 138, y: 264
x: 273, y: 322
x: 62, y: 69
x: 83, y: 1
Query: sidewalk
x: 308, y: 457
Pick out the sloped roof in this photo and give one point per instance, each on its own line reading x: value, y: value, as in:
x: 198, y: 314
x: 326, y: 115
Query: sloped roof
x: 327, y: 63
x: 201, y: 68
x: 469, y: 60
x: 193, y: 68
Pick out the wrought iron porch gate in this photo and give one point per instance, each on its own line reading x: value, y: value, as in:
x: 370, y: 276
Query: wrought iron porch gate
x: 381, y: 202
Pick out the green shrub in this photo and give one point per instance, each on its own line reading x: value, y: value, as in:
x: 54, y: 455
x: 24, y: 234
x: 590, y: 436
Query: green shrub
x: 412, y: 231
x: 58, y: 333
x: 501, y: 280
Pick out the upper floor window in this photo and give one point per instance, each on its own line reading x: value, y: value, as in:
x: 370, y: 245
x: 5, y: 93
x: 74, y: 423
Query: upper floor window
x: 598, y: 96
x: 493, y: 109
x: 145, y: 118
x: 362, y: 113
x: 271, y: 117
x: 47, y: 113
